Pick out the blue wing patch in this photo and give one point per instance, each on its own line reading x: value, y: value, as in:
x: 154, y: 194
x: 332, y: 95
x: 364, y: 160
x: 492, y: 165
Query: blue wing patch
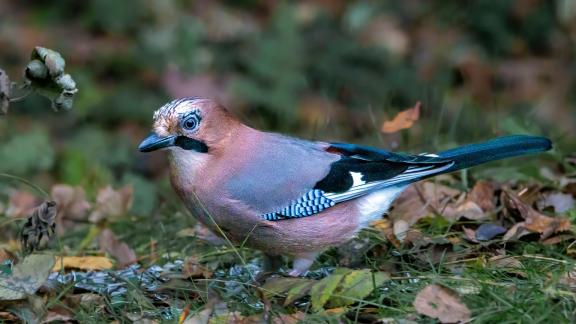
x: 313, y: 202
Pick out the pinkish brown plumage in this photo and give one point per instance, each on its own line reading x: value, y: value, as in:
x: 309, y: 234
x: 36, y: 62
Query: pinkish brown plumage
x: 286, y: 196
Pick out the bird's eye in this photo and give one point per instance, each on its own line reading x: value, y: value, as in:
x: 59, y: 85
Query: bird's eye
x: 191, y: 122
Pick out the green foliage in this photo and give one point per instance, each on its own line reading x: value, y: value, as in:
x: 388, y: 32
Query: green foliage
x: 342, y: 288
x: 145, y: 194
x: 275, y: 77
x: 27, y: 153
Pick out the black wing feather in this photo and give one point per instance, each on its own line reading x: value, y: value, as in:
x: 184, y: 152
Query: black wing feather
x: 339, y: 179
x: 376, y: 169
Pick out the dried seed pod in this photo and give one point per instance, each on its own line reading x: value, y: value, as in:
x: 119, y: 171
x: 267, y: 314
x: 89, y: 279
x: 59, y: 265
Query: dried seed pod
x: 52, y: 60
x: 41, y: 224
x: 5, y: 88
x: 36, y: 70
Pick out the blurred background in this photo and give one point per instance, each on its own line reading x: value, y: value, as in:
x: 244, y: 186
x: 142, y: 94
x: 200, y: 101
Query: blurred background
x: 320, y: 69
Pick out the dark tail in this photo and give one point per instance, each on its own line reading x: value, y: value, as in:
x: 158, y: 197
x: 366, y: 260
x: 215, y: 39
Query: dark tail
x: 496, y: 149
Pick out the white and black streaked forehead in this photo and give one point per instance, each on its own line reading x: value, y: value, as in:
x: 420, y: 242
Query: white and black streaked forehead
x: 177, y: 106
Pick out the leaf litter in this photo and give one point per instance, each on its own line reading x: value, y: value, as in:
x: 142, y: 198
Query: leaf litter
x: 432, y: 223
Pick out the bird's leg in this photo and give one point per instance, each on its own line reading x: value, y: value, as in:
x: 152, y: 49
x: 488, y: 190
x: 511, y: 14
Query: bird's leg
x: 272, y: 263
x: 302, y: 263
x: 270, y: 266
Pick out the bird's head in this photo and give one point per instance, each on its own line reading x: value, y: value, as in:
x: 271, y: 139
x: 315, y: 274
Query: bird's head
x: 192, y: 124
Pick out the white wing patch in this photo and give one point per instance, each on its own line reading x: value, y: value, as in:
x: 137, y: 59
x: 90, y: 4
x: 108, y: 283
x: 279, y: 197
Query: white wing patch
x: 372, y: 206
x: 357, y: 179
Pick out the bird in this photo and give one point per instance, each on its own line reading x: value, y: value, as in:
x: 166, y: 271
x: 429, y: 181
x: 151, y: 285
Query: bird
x: 292, y: 197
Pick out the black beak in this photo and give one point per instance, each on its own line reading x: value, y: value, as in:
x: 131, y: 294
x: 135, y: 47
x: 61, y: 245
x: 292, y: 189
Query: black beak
x: 154, y: 142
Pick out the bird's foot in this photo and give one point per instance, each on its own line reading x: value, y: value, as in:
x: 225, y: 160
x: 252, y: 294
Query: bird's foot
x: 302, y: 263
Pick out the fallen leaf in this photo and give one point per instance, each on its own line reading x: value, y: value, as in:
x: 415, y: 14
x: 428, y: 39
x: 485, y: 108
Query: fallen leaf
x: 439, y: 302
x: 401, y: 228
x: 86, y: 263
x: 323, y: 290
x: 569, y: 280
x: 192, y: 268
x: 298, y: 291
x: 202, y: 317
x: 202, y: 232
x: 488, y: 231
x: 21, y: 204
x: 72, y: 206
x: 85, y: 300
x: 558, y: 239
x: 534, y: 221
x: 508, y: 264
x: 470, y: 234
x: 27, y: 276
x: 561, y: 202
x: 111, y: 204
x: 467, y: 209
x: 530, y: 194
x: 516, y: 232
x: 293, y: 288
x: 7, y: 317
x: 483, y: 195
x: 356, y: 285
x: 58, y: 315
x: 404, y: 119
x: 421, y: 200
x: 108, y: 242
x: 7, y: 255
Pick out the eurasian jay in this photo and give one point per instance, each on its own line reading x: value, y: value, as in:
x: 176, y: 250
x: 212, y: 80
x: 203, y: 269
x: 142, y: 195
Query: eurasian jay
x: 287, y: 196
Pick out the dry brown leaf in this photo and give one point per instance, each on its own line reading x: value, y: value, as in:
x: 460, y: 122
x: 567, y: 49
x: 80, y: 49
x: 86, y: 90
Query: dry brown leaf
x: 108, y: 242
x: 401, y: 228
x: 515, y: 232
x: 467, y: 209
x: 470, y: 235
x: 7, y: 317
x: 534, y: 221
x: 439, y: 302
x: 421, y: 200
x: 558, y: 239
x: 21, y: 204
x: 58, y: 315
x: 111, y: 204
x: 483, y: 195
x: 404, y: 119
x: 202, y: 232
x: 569, y: 280
x: 509, y: 264
x: 86, y: 263
x: 192, y: 268
x: 7, y: 255
x: 72, y: 206
x: 87, y: 299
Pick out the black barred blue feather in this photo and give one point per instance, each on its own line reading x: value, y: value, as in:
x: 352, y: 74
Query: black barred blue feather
x: 313, y: 202
x: 362, y: 170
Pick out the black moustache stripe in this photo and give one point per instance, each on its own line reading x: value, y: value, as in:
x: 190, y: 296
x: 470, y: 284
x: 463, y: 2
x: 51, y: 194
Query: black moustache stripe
x: 188, y: 143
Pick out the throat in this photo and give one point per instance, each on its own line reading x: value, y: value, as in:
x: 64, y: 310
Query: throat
x: 185, y: 166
